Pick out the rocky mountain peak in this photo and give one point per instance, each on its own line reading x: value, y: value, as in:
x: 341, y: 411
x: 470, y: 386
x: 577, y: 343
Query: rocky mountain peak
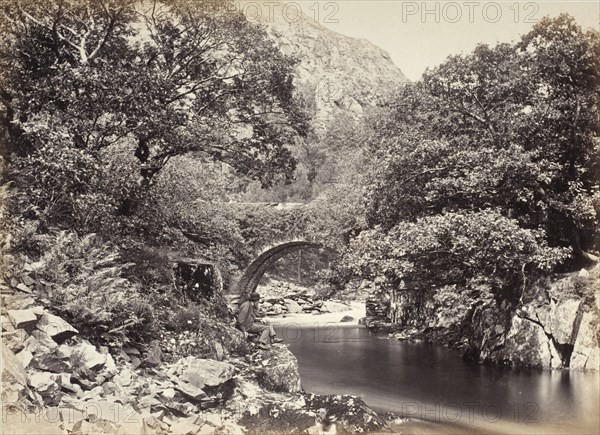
x: 338, y: 73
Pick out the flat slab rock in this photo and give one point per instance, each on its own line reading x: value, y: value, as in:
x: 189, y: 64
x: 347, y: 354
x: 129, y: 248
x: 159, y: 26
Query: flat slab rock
x: 201, y: 372
x: 23, y: 319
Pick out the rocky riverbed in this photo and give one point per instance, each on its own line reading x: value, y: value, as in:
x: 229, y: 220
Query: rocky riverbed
x: 282, y: 299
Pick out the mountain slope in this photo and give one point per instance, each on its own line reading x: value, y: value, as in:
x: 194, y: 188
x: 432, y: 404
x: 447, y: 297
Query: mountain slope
x: 338, y: 72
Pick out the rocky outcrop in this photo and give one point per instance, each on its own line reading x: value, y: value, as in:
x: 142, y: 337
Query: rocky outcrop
x: 556, y: 326
x: 340, y: 74
x: 278, y: 371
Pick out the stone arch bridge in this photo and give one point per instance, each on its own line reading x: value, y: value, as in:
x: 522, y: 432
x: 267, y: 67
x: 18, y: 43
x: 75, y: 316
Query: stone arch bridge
x: 254, y: 272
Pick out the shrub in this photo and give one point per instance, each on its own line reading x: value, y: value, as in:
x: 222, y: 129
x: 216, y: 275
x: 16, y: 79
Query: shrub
x: 190, y: 330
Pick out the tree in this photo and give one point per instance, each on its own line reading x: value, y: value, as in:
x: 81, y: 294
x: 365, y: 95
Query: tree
x: 454, y: 248
x: 514, y: 127
x: 486, y: 170
x: 160, y: 79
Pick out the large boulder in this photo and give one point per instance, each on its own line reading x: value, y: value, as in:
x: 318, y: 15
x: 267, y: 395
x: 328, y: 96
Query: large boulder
x: 292, y: 306
x: 85, y: 356
x: 279, y: 371
x: 527, y: 344
x: 203, y: 379
x: 58, y: 329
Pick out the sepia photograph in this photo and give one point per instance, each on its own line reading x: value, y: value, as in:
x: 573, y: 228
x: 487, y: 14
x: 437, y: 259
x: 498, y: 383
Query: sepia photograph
x: 239, y: 217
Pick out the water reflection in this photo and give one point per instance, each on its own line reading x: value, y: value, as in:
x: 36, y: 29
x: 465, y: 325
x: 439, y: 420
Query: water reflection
x: 433, y: 382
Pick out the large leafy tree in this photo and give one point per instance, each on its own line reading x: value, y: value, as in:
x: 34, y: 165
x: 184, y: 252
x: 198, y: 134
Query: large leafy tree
x: 83, y: 81
x: 514, y: 127
x: 487, y: 168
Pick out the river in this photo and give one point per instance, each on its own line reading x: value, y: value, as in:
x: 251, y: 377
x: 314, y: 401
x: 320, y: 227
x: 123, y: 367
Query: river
x: 432, y: 385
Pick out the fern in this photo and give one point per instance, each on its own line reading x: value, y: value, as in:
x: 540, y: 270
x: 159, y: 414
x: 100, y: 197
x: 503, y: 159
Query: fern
x: 89, y: 288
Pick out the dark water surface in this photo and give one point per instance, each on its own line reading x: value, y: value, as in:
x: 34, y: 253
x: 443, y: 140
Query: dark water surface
x: 433, y: 383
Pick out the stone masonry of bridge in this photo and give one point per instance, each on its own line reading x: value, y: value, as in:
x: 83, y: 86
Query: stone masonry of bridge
x: 254, y: 272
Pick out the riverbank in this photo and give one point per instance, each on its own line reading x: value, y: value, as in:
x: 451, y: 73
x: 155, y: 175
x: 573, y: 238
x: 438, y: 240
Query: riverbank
x: 554, y: 325
x: 56, y: 381
x: 349, y: 317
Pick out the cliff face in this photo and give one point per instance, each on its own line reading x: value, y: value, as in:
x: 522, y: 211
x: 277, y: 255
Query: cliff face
x: 556, y: 325
x: 337, y: 73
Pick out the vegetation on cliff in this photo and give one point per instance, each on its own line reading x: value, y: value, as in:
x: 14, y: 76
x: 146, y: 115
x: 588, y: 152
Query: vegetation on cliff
x: 487, y: 169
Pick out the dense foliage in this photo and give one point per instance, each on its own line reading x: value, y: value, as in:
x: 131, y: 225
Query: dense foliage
x: 135, y: 132
x: 127, y: 128
x: 85, y: 83
x: 487, y: 168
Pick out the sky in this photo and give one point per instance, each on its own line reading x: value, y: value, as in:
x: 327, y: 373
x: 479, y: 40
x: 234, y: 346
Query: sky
x: 421, y: 34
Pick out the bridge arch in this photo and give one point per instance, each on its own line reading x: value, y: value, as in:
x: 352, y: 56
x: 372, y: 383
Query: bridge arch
x: 254, y: 272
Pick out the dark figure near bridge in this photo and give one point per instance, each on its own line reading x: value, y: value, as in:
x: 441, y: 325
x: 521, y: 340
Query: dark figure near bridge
x: 248, y: 321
